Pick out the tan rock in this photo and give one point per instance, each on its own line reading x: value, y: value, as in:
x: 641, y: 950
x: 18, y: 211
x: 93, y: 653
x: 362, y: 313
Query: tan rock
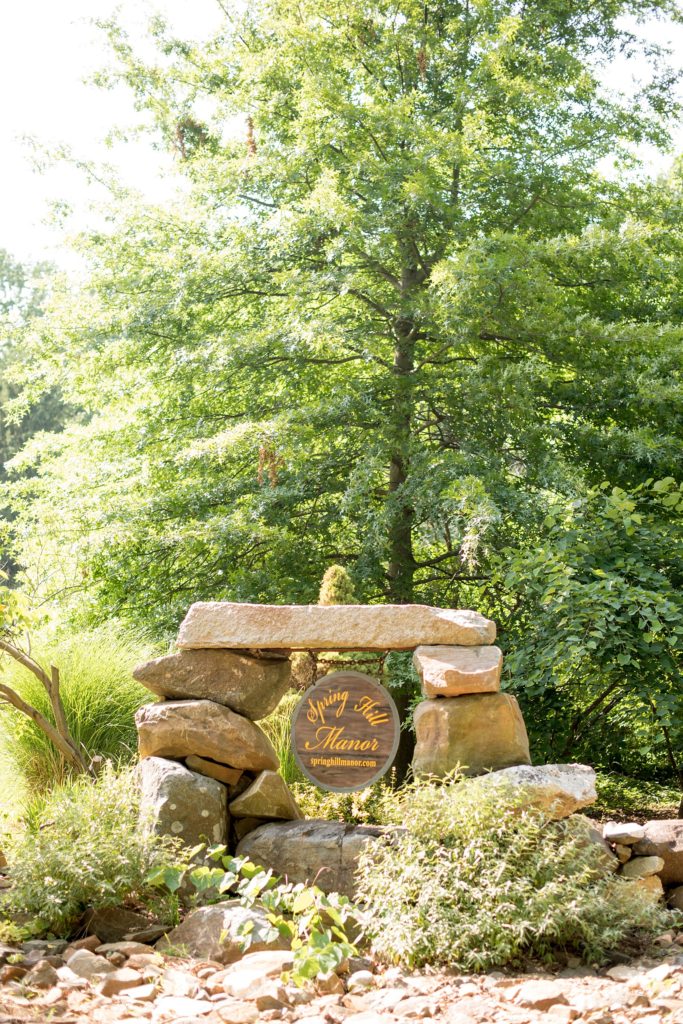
x: 252, y: 687
x: 299, y: 849
x: 558, y: 789
x: 664, y: 838
x: 185, y: 727
x: 642, y: 867
x: 453, y: 671
x: 623, y: 852
x: 87, y: 965
x: 540, y: 995
x: 479, y: 732
x: 213, y: 770
x: 248, y: 978
x: 330, y: 627
x: 127, y: 948
x: 267, y: 797
x: 236, y: 1011
x: 652, y: 885
x: 118, y: 981
x: 214, y: 932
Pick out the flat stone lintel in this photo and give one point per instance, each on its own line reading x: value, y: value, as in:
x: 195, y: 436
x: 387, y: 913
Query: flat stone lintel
x: 330, y: 627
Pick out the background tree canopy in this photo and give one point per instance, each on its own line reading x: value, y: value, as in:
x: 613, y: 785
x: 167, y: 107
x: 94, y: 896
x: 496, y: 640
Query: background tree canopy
x: 410, y: 313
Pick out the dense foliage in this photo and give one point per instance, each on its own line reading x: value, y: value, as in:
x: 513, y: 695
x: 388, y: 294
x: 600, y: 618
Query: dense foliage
x: 478, y: 879
x: 409, y: 313
x: 86, y: 849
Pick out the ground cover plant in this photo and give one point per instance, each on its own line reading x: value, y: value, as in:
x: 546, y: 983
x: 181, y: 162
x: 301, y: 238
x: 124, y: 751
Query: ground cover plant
x: 480, y: 880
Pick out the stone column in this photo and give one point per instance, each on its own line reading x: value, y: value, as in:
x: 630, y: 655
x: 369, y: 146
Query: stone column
x: 208, y: 771
x: 465, y: 721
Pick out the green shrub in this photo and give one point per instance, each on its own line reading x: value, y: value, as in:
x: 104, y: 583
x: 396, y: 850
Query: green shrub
x: 85, y: 849
x: 369, y: 806
x: 100, y: 700
x: 477, y: 880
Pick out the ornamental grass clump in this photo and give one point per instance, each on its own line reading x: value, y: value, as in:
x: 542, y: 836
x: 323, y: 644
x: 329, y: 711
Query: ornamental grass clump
x: 478, y: 879
x: 100, y: 698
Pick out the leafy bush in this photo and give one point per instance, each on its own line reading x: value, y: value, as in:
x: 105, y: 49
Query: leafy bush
x: 313, y: 922
x: 85, y: 849
x: 100, y: 700
x: 477, y: 880
x: 369, y: 806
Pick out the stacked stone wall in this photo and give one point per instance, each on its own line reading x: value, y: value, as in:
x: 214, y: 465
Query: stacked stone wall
x: 209, y: 771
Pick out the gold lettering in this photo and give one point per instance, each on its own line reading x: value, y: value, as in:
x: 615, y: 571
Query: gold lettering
x: 366, y: 705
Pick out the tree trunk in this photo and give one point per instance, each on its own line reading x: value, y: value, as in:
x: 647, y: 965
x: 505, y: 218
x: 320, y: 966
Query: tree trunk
x: 401, y: 566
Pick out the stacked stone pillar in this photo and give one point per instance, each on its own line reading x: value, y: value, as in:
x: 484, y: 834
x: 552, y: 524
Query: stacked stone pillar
x: 465, y: 721
x: 209, y: 773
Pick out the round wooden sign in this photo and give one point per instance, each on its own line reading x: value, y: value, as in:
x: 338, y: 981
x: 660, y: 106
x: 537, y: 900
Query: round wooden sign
x: 345, y: 732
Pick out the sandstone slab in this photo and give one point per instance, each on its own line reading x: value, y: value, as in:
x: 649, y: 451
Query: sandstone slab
x: 252, y: 687
x: 479, y: 732
x: 454, y: 671
x: 220, y: 772
x: 664, y: 839
x: 175, y: 801
x: 330, y: 627
x: 267, y: 797
x: 558, y: 789
x: 184, y: 727
x: 324, y: 852
x: 213, y: 933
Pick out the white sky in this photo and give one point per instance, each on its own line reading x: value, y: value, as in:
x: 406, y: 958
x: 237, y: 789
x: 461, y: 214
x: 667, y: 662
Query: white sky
x: 47, y: 49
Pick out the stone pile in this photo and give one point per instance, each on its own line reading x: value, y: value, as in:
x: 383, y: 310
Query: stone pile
x: 651, y: 855
x: 208, y: 772
x: 465, y: 720
x: 90, y: 982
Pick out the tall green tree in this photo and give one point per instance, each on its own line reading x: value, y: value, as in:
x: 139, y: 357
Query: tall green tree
x: 400, y: 307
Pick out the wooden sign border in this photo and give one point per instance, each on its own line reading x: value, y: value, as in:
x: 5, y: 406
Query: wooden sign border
x: 397, y: 729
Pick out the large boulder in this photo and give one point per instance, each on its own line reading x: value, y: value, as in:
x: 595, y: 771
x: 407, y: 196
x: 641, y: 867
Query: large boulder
x: 324, y: 852
x: 202, y: 727
x: 558, y: 789
x: 453, y: 671
x: 267, y: 797
x: 330, y: 627
x: 213, y: 933
x: 664, y: 839
x: 479, y: 732
x: 178, y: 802
x: 252, y: 687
